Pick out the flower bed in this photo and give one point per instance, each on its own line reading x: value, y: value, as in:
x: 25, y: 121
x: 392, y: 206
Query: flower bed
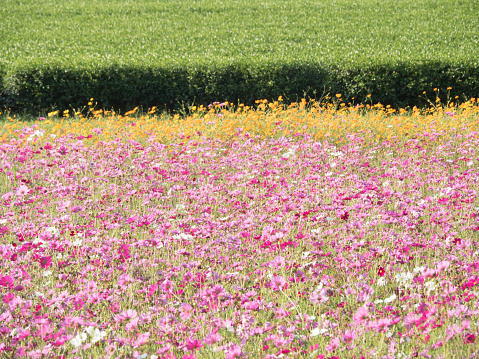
x: 260, y: 248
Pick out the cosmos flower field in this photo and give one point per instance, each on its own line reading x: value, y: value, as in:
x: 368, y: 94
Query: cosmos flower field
x: 300, y: 231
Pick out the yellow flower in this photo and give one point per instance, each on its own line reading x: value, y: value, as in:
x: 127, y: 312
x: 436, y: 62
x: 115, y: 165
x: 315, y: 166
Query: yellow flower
x: 131, y: 112
x: 369, y: 95
x: 54, y: 113
x: 338, y: 95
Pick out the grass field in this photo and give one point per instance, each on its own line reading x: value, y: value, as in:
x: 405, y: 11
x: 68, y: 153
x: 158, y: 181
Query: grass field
x: 302, y: 230
x: 333, y: 31
x: 92, y: 36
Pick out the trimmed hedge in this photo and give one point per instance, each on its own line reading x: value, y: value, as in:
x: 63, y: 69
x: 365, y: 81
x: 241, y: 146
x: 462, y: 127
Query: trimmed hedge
x: 40, y: 88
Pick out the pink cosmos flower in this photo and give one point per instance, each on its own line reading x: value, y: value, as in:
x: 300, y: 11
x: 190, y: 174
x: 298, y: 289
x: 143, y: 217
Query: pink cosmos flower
x: 167, y: 286
x: 132, y: 324
x: 216, y: 290
x: 349, y: 336
x: 281, y: 313
x: 277, y: 283
x: 279, y: 341
x: 166, y: 348
x: 443, y: 265
x: 45, y: 262
x: 379, y: 324
x: 6, y: 281
x: 331, y: 347
x: 22, y: 190
x: 152, y: 289
x: 212, y: 338
x: 360, y: 315
x: 392, y: 346
x: 128, y: 314
x: 251, y: 305
x: 185, y: 310
x: 233, y: 352
x: 469, y: 338
x: 193, y: 344
x: 142, y: 339
x: 410, y: 319
x: 278, y: 262
x: 452, y: 330
x: 20, y: 352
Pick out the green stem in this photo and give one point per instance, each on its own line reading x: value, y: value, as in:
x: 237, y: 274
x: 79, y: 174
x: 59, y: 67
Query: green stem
x: 14, y: 173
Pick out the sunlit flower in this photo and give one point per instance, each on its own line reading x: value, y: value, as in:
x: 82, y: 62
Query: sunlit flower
x: 53, y: 230
x: 193, y: 344
x: 78, y: 340
x: 361, y: 314
x: 45, y: 261
x: 381, y: 282
x: 390, y: 299
x: 277, y: 283
x: 317, y: 331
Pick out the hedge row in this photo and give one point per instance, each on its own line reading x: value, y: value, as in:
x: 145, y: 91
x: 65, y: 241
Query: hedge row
x: 41, y: 88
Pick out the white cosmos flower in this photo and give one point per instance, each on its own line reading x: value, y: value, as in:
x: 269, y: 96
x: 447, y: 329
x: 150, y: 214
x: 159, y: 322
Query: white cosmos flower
x: 37, y: 241
x: 419, y: 269
x: 404, y: 278
x: 3, y: 221
x: 183, y: 236
x: 180, y: 207
x: 291, y: 152
x: 381, y: 282
x: 77, y: 242
x: 53, y: 230
x: 80, y: 338
x: 37, y: 133
x: 430, y: 286
x: 390, y: 299
x: 97, y: 335
x: 317, y: 331
x: 47, y: 273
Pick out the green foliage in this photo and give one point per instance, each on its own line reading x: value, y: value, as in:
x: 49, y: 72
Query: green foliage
x: 160, y: 52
